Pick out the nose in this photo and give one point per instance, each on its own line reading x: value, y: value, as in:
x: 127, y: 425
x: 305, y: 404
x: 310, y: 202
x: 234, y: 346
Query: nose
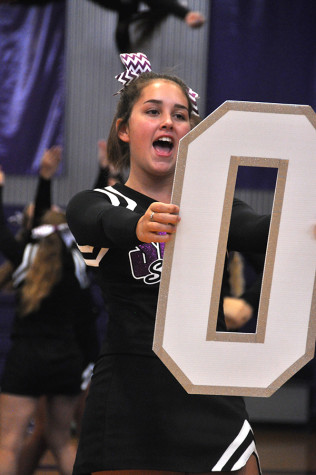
x: 166, y: 122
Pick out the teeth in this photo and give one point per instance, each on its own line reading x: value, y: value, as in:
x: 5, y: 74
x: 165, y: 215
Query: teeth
x: 165, y: 139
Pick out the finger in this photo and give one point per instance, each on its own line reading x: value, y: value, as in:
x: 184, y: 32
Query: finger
x: 157, y: 237
x: 162, y: 217
x: 165, y: 218
x: 158, y: 207
x: 162, y: 228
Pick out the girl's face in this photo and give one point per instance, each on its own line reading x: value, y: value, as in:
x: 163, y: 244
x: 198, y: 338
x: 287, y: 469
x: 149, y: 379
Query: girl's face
x: 158, y: 120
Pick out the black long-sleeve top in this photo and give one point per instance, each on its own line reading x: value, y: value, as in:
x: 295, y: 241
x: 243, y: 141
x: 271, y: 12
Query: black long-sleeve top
x: 104, y: 225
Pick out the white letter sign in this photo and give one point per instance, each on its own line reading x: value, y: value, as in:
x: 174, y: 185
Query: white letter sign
x: 202, y: 359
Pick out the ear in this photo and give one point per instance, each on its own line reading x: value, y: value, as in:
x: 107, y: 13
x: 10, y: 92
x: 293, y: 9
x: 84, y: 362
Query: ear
x: 122, y: 131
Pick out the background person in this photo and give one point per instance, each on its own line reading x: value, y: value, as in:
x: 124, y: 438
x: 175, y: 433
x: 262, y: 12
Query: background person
x: 47, y: 354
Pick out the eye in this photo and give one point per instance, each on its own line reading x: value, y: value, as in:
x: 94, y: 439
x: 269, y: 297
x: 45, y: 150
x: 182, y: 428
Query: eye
x: 152, y: 112
x: 180, y: 116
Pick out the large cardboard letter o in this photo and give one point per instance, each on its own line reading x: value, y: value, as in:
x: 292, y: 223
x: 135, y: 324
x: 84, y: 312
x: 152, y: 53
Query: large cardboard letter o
x: 204, y: 361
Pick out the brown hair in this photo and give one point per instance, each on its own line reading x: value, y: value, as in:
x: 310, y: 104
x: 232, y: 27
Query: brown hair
x: 6, y: 271
x: 118, y: 151
x: 45, y: 270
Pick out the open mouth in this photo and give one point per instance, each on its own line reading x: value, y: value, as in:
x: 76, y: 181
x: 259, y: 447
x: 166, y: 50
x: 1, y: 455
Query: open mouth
x: 164, y: 145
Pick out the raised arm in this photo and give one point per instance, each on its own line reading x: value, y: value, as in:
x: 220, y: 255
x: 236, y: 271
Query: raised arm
x: 48, y: 168
x: 9, y: 246
x: 193, y: 19
x: 107, y: 175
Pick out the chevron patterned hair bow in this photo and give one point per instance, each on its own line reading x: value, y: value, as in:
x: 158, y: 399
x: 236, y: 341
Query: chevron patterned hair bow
x: 44, y: 230
x: 137, y: 64
x: 193, y: 97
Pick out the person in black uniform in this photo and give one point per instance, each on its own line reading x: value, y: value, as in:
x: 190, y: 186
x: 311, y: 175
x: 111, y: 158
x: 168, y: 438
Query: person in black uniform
x: 130, y: 13
x: 138, y: 419
x: 35, y: 445
x: 146, y: 21
x: 50, y: 336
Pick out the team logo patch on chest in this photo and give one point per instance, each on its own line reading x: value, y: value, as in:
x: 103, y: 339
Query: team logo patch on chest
x: 146, y: 262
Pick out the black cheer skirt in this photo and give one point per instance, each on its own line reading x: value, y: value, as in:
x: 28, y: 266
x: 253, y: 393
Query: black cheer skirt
x: 42, y: 366
x: 138, y: 417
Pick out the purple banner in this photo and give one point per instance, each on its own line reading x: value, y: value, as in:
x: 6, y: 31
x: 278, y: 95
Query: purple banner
x: 262, y: 51
x: 31, y: 84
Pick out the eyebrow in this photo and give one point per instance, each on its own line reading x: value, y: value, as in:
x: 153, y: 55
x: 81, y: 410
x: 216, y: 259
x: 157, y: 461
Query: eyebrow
x: 177, y: 106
